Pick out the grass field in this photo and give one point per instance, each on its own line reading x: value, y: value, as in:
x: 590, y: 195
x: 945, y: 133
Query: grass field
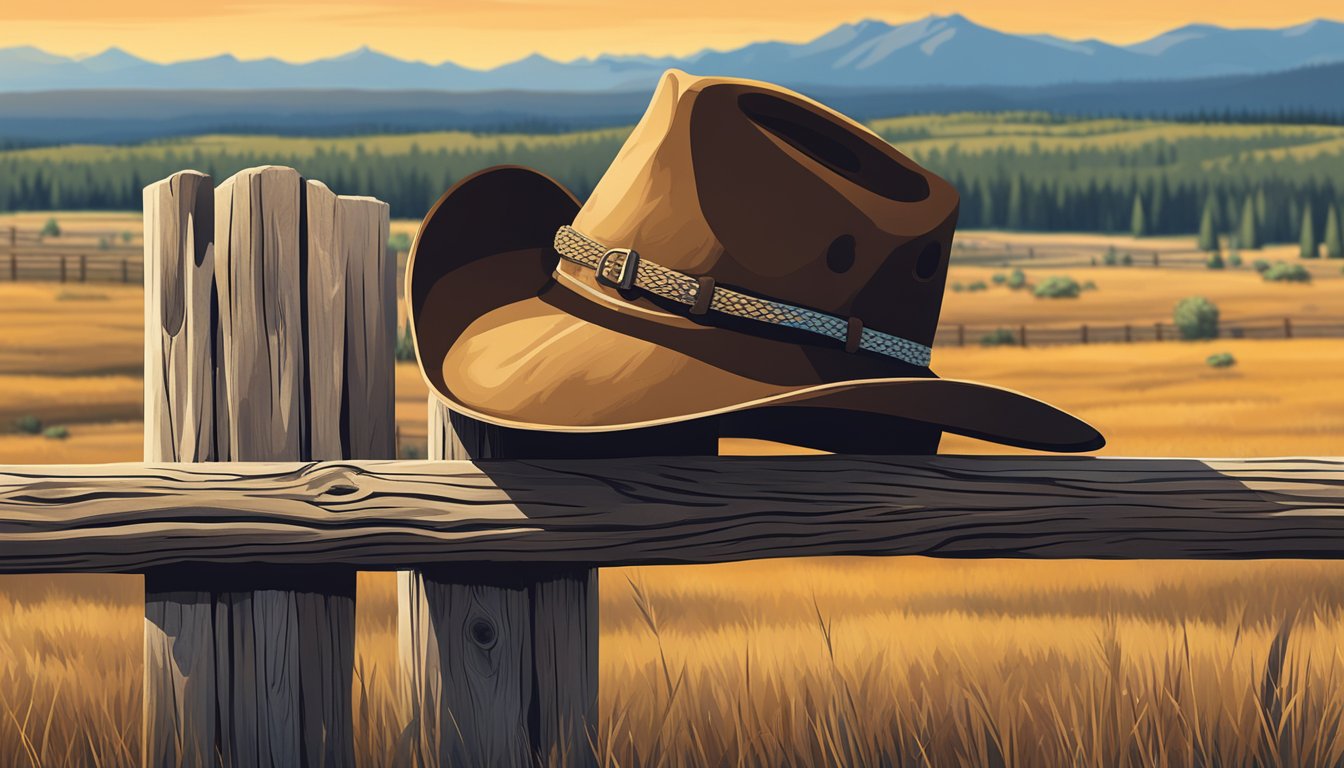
x: 837, y: 661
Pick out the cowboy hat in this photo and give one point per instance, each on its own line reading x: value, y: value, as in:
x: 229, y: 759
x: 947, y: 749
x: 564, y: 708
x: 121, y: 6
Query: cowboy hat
x: 750, y: 255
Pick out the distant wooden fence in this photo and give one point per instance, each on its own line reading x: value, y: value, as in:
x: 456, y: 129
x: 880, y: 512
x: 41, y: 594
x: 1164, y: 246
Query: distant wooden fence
x: 268, y: 481
x: 25, y: 255
x: 961, y: 335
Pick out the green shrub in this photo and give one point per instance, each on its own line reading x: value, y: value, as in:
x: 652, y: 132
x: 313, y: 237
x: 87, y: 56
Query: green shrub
x: 1111, y: 257
x: 978, y: 285
x: 1234, y: 260
x: 1127, y: 260
x: 411, y: 451
x: 1215, y: 260
x: 999, y: 278
x: 399, y: 242
x: 1017, y: 279
x: 1282, y: 272
x: 55, y: 433
x: 29, y: 425
x: 81, y: 296
x: 1196, y: 318
x: 1058, y: 287
x: 1221, y: 360
x: 1089, y: 286
x: 126, y: 237
x: 957, y: 287
x: 405, y: 345
x: 51, y: 229
x: 1260, y: 265
x: 104, y: 243
x: 997, y: 338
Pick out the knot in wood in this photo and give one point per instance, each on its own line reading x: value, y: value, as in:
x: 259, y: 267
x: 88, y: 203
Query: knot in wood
x: 482, y: 632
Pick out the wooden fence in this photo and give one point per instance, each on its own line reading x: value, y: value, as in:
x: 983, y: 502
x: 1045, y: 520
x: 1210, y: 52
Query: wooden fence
x: 268, y: 482
x: 961, y: 335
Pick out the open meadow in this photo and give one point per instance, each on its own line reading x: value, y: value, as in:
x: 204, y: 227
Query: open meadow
x: 839, y: 661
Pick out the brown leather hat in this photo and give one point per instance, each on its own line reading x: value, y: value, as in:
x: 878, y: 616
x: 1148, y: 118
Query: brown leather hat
x: 749, y: 255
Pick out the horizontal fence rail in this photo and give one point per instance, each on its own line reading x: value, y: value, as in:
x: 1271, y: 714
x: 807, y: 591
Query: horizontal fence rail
x: 389, y: 514
x: 961, y: 335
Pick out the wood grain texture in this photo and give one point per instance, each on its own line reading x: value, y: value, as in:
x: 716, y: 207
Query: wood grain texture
x: 180, y: 319
x: 248, y: 665
x: 258, y: 214
x: 531, y: 690
x: 390, y: 514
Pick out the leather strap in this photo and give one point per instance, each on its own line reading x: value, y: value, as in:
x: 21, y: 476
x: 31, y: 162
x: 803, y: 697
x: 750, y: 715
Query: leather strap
x: 626, y: 269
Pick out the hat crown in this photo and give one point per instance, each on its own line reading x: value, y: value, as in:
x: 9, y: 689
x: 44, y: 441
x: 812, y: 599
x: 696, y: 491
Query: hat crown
x: 773, y: 194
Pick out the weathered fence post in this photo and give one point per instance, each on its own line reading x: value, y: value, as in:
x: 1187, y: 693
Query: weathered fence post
x: 273, y: 342
x: 83, y: 267
x: 1157, y: 329
x: 1287, y: 328
x: 125, y: 271
x: 961, y: 334
x: 13, y: 267
x: 1022, y: 335
x: 1083, y: 333
x: 62, y: 268
x: 502, y: 660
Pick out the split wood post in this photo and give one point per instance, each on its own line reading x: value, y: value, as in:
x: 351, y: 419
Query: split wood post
x: 269, y: 330
x: 502, y: 660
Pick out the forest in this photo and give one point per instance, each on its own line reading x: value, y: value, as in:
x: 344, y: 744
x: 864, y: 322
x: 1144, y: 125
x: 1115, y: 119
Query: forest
x: 1015, y: 171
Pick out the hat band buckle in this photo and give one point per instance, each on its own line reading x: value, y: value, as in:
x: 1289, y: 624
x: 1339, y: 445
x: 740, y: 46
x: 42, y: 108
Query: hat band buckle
x: 629, y: 269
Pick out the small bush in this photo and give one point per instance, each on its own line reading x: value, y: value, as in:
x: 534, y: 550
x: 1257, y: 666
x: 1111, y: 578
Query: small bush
x: 1260, y: 265
x: 957, y: 287
x: 997, y: 338
x: 978, y: 285
x: 126, y: 237
x: 51, y: 229
x: 999, y: 278
x: 1089, y: 286
x: 399, y: 242
x: 1127, y: 260
x: 1282, y: 272
x: 1017, y: 279
x: 1196, y: 318
x: 1112, y: 256
x: 405, y: 345
x: 29, y: 425
x: 81, y: 296
x: 1215, y: 261
x: 1221, y: 360
x: 1058, y: 287
x: 55, y: 433
x: 411, y: 451
x: 1234, y: 260
x: 104, y: 243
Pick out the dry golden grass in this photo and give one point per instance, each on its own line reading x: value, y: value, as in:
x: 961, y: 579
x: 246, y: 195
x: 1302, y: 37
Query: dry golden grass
x: 837, y: 661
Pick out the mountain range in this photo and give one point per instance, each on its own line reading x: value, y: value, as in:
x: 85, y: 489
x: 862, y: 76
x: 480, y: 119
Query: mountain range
x: 940, y: 50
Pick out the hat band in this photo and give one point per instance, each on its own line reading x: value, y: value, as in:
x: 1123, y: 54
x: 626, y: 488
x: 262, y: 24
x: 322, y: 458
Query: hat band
x: 626, y: 269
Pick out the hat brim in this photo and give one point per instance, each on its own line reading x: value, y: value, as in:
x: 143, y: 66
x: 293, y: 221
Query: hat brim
x: 500, y: 339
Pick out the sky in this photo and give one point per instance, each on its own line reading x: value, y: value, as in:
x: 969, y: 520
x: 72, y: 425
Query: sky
x: 485, y: 33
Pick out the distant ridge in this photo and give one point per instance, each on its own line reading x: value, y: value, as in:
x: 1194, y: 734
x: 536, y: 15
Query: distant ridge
x: 1310, y: 94
x: 947, y: 50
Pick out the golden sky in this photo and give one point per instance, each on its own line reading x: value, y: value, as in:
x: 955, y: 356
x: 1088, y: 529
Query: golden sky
x: 483, y: 33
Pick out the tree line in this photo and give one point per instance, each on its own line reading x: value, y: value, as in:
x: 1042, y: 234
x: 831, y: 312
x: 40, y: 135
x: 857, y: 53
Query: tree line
x: 1159, y: 186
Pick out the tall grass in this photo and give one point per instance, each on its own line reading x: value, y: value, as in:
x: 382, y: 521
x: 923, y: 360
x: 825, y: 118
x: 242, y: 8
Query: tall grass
x: 825, y: 662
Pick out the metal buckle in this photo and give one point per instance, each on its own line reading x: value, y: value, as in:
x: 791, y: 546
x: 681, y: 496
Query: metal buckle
x: 629, y: 268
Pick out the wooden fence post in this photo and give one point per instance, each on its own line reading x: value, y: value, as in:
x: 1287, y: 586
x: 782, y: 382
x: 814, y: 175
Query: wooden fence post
x: 1157, y: 328
x: 125, y: 271
x: 1022, y: 335
x: 245, y: 665
x: 13, y: 267
x: 1129, y: 333
x: 501, y: 660
x: 1287, y: 328
x: 62, y: 268
x: 961, y: 334
x: 1083, y: 333
x: 83, y: 267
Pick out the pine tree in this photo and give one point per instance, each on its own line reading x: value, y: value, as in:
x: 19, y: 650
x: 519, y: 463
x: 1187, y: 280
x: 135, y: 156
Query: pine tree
x: 1016, y: 206
x: 1138, y: 225
x: 1208, y: 240
x: 1158, y: 210
x: 1250, y: 230
x: 1307, y: 242
x: 1334, y: 239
